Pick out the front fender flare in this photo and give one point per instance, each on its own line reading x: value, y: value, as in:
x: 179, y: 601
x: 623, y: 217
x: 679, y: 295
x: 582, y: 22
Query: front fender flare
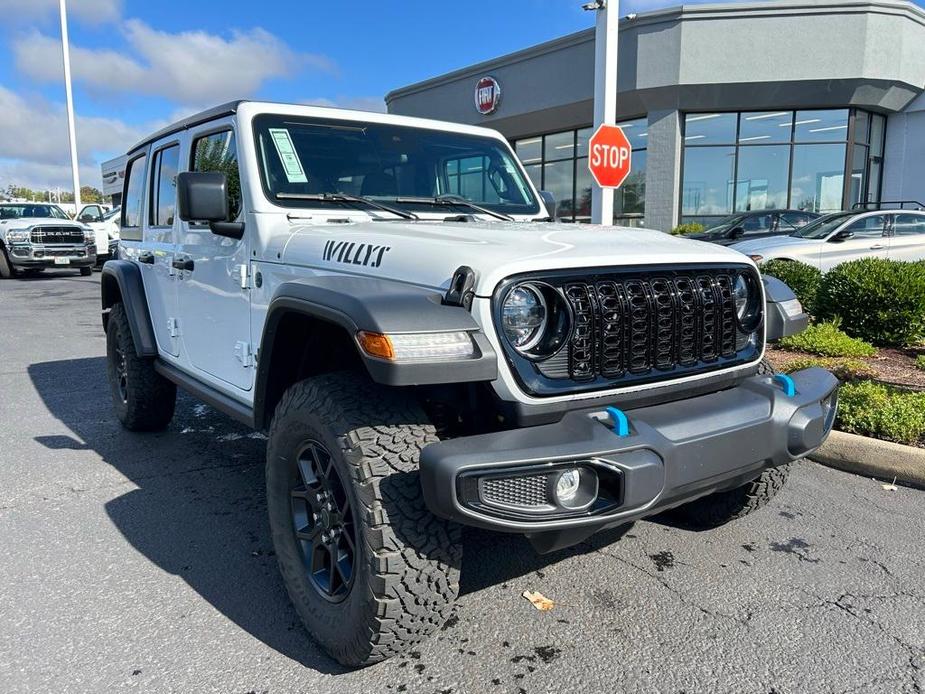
x: 121, y: 281
x: 382, y: 306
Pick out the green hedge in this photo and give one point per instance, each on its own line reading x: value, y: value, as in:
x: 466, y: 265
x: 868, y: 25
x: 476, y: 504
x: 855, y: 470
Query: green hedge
x: 844, y: 369
x: 826, y: 340
x: 872, y: 409
x: 803, y: 279
x: 684, y: 229
x: 878, y: 300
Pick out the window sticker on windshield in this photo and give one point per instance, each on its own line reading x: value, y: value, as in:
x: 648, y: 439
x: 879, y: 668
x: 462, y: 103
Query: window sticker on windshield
x: 287, y: 154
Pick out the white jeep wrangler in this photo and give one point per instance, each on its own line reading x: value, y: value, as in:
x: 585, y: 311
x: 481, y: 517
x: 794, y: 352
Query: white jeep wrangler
x: 387, y: 298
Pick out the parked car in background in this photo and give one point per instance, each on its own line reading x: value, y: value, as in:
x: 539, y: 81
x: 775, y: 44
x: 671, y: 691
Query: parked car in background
x: 757, y: 224
x: 35, y: 236
x: 105, y: 225
x: 843, y: 236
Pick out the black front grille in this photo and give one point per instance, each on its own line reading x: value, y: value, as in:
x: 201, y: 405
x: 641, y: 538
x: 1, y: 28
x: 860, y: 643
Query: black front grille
x: 57, y: 234
x: 633, y: 327
x: 529, y: 490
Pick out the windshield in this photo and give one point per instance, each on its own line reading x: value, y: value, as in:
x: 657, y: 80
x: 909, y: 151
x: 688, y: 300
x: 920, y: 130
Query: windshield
x: 724, y: 226
x: 822, y: 227
x: 409, y: 168
x: 19, y: 211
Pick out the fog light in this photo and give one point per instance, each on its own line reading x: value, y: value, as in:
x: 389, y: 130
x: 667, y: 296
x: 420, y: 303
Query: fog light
x: 567, y: 486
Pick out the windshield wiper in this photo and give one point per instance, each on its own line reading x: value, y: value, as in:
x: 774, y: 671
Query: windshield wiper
x: 343, y: 197
x: 456, y: 201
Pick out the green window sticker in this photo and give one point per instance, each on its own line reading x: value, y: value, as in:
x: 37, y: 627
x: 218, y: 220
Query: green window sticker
x: 288, y: 156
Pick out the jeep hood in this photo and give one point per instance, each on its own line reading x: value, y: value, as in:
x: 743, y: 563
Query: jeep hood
x: 427, y: 253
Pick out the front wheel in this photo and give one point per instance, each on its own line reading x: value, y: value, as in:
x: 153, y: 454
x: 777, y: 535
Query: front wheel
x: 368, y: 568
x: 86, y: 271
x: 7, y: 271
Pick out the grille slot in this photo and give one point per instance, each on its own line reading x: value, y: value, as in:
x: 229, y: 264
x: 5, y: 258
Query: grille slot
x: 57, y: 234
x: 525, y: 491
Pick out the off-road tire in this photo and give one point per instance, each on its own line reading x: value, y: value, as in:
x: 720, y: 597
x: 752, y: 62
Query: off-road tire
x: 406, y: 565
x: 146, y: 400
x: 7, y: 271
x: 86, y: 271
x: 720, y: 508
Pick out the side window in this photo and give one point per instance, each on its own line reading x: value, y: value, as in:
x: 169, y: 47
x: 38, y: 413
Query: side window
x: 216, y: 152
x: 868, y: 227
x: 133, y: 199
x: 757, y: 224
x: 793, y: 220
x: 909, y: 225
x: 163, y: 206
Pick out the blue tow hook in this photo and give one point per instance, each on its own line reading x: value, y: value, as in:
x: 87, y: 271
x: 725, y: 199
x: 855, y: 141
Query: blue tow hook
x: 790, y: 388
x: 621, y: 425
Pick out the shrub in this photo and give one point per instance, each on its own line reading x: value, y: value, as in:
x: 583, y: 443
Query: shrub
x: 844, y: 369
x: 878, y: 300
x: 872, y: 409
x: 826, y: 340
x: 920, y: 362
x: 803, y: 279
x: 684, y: 229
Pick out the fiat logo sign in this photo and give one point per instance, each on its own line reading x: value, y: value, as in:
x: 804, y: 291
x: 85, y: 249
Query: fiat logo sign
x: 487, y: 95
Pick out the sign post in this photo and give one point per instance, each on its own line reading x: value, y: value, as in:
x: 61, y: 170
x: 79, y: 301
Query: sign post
x: 605, y: 92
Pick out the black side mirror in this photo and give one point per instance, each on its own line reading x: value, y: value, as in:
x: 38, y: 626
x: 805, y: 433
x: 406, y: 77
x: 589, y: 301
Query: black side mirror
x: 843, y: 235
x: 737, y: 233
x: 202, y: 196
x: 549, y: 201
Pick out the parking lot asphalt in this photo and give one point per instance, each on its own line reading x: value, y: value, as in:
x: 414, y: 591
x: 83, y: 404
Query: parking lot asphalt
x: 143, y: 563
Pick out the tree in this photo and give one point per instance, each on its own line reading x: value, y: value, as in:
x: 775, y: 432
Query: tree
x: 90, y: 194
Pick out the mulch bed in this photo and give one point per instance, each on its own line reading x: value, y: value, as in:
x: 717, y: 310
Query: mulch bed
x: 892, y: 366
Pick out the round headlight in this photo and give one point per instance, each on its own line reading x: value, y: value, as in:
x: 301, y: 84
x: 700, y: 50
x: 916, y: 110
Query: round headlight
x: 523, y: 316
x: 747, y: 298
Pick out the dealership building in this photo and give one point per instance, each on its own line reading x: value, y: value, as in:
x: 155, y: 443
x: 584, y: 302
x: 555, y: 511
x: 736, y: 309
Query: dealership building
x: 811, y: 105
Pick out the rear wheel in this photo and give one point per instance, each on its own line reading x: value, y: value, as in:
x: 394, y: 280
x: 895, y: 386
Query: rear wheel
x: 720, y: 508
x: 369, y: 569
x: 142, y: 398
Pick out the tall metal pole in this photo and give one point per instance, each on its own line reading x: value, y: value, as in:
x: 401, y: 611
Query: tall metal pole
x: 71, y: 129
x: 605, y: 92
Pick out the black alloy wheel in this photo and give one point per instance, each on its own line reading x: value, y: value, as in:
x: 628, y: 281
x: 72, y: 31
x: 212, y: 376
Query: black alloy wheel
x: 323, y: 522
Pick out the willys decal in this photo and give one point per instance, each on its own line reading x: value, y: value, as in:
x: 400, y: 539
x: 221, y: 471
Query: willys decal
x: 366, y: 254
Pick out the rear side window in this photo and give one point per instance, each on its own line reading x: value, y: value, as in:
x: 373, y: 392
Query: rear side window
x: 133, y: 199
x: 909, y: 225
x: 217, y: 152
x: 163, y: 207
x: 794, y: 220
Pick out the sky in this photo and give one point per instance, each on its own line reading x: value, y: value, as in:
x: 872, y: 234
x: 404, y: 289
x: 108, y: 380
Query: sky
x: 138, y: 65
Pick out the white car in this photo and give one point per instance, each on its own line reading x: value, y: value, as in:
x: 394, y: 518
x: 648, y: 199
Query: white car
x: 105, y: 225
x: 844, y: 236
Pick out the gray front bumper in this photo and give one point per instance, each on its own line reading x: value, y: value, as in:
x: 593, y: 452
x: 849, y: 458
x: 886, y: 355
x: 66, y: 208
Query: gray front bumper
x: 674, y: 453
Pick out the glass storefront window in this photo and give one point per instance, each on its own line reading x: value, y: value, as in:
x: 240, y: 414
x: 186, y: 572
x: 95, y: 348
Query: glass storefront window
x: 630, y: 198
x: 765, y: 127
x: 636, y: 131
x: 582, y: 191
x: 559, y: 146
x: 818, y: 177
x: 780, y: 159
x: 581, y: 141
x: 761, y: 183
x: 710, y: 128
x: 529, y: 151
x: 558, y: 179
x: 708, y: 181
x: 821, y: 126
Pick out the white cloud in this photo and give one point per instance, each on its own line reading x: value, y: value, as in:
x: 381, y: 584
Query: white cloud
x: 361, y: 103
x: 89, y: 11
x: 191, y: 67
x: 34, y: 147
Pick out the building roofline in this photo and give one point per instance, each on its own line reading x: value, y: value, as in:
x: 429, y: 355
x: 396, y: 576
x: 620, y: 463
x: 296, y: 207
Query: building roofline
x: 765, y: 8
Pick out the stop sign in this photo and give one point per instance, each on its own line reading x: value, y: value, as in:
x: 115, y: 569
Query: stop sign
x: 610, y: 154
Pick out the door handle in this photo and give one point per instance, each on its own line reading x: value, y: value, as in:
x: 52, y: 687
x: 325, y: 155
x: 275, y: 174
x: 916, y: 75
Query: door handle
x: 183, y: 264
x: 877, y: 246
x: 147, y: 257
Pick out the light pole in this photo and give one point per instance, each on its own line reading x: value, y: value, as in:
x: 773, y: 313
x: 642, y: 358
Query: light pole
x: 606, y: 35
x: 71, y: 129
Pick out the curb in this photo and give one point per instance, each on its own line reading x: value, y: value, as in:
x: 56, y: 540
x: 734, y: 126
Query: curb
x: 873, y: 458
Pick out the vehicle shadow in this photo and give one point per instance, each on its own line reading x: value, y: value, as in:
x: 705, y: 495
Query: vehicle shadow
x: 197, y: 507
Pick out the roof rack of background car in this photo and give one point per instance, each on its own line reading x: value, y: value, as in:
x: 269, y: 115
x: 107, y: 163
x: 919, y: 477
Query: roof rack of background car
x: 915, y: 205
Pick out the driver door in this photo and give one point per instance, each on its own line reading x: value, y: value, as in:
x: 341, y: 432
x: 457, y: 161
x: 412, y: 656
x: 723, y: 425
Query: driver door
x: 869, y: 238
x: 92, y: 216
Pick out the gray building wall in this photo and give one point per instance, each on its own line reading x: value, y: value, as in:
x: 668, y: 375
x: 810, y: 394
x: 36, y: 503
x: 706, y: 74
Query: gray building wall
x: 729, y: 57
x: 904, y: 154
